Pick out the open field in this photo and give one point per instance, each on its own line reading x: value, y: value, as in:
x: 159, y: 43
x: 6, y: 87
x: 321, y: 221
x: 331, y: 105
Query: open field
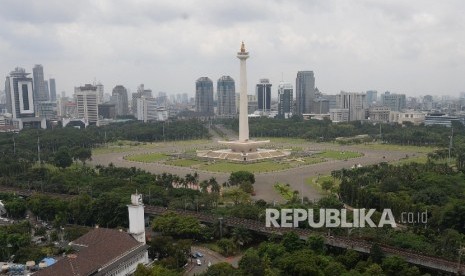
x: 258, y: 167
x: 295, y: 170
x: 184, y: 162
x: 338, y: 155
x: 396, y: 147
x: 148, y: 157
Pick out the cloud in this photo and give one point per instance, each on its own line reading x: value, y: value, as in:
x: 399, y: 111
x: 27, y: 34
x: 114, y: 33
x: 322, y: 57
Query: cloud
x: 166, y: 44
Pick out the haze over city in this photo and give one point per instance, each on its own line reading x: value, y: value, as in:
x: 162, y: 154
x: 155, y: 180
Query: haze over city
x: 416, y: 48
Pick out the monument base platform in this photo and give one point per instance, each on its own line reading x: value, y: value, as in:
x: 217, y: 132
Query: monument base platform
x: 243, y: 152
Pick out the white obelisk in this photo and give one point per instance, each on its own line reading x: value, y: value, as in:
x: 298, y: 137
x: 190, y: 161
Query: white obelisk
x: 243, y: 102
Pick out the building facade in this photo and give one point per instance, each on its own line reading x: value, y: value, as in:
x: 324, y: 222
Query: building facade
x: 148, y: 110
x: 339, y: 115
x: 226, y: 92
x: 100, y: 93
x: 204, y: 96
x: 40, y: 91
x: 412, y: 116
x: 86, y: 98
x: 320, y: 106
x: 20, y: 101
x: 304, y: 91
x: 396, y: 102
x: 285, y: 100
x: 106, y: 252
x: 120, y: 99
x: 379, y: 113
x: 263, y: 94
x: 53, y: 90
x: 372, y: 97
x: 355, y: 103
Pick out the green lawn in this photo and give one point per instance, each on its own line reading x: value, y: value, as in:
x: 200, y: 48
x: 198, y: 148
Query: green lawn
x: 315, y: 182
x: 147, y: 157
x: 397, y: 148
x: 184, y: 162
x: 264, y: 166
x: 338, y: 155
x: 417, y: 159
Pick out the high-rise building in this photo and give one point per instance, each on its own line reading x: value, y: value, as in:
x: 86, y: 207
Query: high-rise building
x: 396, y: 102
x: 19, y: 94
x: 148, y: 109
x: 40, y: 92
x: 120, y: 99
x: 372, y: 97
x: 53, y: 90
x: 100, y: 92
x: 305, y: 91
x: 86, y: 98
x: 285, y: 99
x: 355, y: 103
x: 204, y: 96
x: 141, y: 92
x: 46, y: 89
x: 20, y: 100
x: 263, y: 93
x: 320, y: 105
x: 226, y: 92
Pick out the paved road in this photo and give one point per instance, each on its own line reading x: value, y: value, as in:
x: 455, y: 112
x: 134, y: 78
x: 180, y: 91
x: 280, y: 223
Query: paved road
x: 264, y: 181
x: 209, y: 256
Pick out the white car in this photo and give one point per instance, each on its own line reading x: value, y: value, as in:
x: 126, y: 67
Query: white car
x: 199, y: 262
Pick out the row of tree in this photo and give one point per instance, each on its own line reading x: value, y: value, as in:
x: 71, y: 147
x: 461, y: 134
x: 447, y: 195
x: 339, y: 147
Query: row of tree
x: 325, y: 130
x: 32, y: 144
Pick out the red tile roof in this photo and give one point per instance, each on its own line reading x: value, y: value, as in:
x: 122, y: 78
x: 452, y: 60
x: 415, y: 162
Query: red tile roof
x: 96, y: 249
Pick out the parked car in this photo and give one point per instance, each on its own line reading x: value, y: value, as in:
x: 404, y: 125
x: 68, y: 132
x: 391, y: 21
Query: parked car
x: 199, y: 262
x: 200, y: 255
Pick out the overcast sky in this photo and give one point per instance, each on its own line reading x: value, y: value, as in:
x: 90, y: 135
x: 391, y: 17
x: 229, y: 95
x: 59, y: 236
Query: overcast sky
x: 415, y: 47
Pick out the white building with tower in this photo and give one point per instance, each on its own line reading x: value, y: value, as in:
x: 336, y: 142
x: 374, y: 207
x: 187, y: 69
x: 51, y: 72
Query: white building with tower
x: 107, y: 252
x: 136, y: 218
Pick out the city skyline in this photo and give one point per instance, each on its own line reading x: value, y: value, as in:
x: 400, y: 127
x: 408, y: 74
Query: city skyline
x: 416, y: 48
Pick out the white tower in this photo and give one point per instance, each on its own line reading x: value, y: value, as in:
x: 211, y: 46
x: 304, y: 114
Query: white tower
x: 136, y: 218
x: 243, y: 103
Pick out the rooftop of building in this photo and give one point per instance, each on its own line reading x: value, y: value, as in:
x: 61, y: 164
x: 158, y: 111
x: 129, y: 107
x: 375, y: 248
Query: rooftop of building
x: 96, y: 250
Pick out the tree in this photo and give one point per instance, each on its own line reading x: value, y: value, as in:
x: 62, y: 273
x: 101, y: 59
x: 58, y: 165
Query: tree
x: 394, y: 265
x: 247, y: 187
x: 239, y: 177
x: 172, y: 224
x: 316, y: 243
x: 221, y: 269
x: 327, y: 185
x: 241, y: 236
x: 251, y: 264
x: 82, y: 154
x: 62, y: 158
x: 156, y: 270
x: 226, y: 245
x: 376, y: 254
x: 236, y: 195
x: 292, y: 242
x: 215, y: 187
